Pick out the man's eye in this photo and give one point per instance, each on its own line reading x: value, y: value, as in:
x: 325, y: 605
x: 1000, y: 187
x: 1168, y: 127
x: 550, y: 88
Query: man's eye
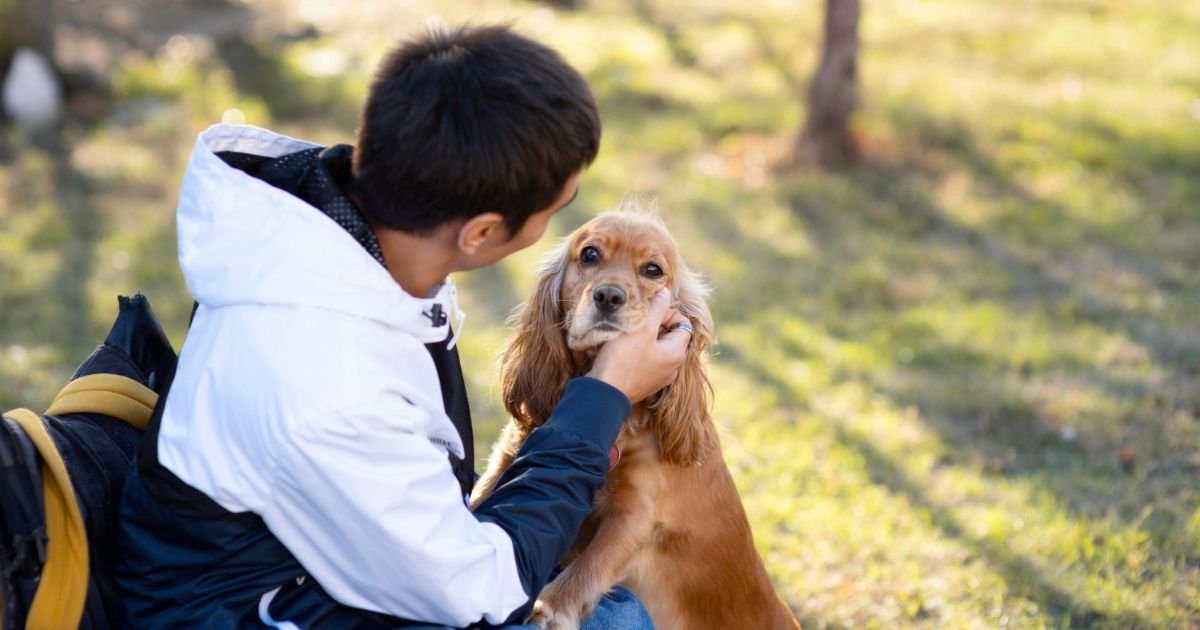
x: 589, y: 255
x: 651, y: 270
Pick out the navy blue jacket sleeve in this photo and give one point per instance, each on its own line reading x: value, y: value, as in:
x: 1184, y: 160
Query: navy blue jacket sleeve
x: 543, y: 498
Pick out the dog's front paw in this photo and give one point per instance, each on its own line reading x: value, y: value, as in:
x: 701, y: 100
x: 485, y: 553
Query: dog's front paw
x: 549, y: 617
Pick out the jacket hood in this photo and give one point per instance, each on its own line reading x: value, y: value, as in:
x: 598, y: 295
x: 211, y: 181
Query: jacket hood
x: 243, y: 241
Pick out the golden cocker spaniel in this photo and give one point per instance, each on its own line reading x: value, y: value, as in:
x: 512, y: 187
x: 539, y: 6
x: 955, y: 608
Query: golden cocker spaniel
x: 669, y: 524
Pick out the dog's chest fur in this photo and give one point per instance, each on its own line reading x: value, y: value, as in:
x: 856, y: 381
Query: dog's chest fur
x: 640, y: 484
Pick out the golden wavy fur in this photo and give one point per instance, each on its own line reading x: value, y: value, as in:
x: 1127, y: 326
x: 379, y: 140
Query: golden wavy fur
x: 669, y: 524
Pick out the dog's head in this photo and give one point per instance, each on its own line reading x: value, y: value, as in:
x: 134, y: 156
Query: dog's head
x: 594, y: 286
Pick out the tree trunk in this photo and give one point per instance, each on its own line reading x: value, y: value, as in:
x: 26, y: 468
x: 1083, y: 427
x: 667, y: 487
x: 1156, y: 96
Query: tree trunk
x: 833, y: 95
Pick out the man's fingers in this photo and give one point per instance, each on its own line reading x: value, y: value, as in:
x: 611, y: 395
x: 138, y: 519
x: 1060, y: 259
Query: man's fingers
x: 678, y: 334
x: 677, y: 338
x: 675, y: 320
x: 660, y: 307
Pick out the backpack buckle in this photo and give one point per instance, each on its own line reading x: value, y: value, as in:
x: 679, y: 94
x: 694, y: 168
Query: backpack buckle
x: 28, y: 554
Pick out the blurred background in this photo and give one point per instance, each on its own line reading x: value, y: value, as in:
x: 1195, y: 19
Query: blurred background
x: 954, y: 246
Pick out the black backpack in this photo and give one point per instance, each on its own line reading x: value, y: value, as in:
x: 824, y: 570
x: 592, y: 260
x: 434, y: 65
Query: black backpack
x: 61, y: 476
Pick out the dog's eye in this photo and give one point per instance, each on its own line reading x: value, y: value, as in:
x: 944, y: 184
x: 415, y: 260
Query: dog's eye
x: 651, y: 270
x: 589, y: 255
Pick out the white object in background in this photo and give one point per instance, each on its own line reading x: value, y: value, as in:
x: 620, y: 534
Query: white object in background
x: 32, y: 95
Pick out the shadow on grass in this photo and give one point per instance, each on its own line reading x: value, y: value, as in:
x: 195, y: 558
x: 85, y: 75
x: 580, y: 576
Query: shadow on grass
x: 251, y: 49
x: 1046, y: 270
x: 1022, y: 575
x: 680, y: 54
x: 260, y: 69
x: 1040, y: 274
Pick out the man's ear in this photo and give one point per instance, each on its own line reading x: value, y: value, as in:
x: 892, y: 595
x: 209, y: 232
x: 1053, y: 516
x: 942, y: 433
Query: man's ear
x: 478, y: 230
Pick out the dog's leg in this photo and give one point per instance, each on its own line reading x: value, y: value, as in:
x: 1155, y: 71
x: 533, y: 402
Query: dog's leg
x: 503, y: 454
x: 627, y: 527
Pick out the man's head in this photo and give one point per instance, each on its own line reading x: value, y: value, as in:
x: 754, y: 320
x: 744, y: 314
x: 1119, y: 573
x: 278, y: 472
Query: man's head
x: 471, y: 120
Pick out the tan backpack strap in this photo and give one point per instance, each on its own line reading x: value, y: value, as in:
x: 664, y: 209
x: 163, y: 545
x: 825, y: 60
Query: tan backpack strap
x: 117, y: 396
x: 62, y: 590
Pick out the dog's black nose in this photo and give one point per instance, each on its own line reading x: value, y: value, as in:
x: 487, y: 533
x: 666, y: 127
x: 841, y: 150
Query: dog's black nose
x: 608, y: 298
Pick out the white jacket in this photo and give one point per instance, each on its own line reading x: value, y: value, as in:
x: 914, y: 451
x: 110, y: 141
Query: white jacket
x: 304, y: 384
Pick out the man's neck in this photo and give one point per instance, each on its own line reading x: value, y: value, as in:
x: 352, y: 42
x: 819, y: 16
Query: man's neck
x: 417, y: 263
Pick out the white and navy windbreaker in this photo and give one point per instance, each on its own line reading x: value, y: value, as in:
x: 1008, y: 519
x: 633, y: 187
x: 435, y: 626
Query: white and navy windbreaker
x: 304, y: 442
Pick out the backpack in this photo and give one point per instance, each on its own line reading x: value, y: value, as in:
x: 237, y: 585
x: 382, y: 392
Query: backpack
x: 61, y: 476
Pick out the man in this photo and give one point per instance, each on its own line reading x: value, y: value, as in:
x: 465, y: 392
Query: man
x: 310, y: 462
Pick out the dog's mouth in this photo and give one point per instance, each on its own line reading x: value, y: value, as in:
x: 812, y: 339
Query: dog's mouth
x: 591, y: 336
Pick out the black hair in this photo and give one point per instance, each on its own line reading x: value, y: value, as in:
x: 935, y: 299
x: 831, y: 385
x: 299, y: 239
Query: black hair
x: 461, y: 121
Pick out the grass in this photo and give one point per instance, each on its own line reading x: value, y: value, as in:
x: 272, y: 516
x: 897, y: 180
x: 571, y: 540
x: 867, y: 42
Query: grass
x: 958, y: 383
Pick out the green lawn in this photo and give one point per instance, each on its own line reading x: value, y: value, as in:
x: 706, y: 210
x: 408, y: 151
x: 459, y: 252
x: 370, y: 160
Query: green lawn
x: 958, y: 383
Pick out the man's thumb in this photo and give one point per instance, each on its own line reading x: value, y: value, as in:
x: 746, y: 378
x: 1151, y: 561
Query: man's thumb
x: 660, y: 304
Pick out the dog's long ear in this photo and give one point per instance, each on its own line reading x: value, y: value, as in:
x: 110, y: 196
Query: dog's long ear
x: 536, y: 364
x: 681, y: 420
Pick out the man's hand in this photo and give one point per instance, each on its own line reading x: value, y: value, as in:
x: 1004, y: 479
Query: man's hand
x: 641, y: 362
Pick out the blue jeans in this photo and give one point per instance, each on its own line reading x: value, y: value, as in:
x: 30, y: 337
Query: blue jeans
x: 619, y: 610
